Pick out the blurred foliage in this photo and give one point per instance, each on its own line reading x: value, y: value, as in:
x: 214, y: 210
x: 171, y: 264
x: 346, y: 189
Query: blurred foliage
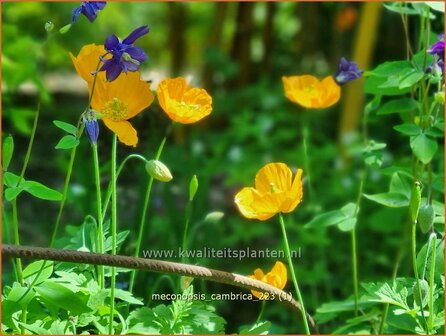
x: 251, y: 124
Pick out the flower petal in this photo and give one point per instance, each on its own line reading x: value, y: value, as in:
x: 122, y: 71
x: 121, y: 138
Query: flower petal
x: 124, y: 130
x: 111, y: 42
x: 87, y: 60
x: 136, y: 34
x: 280, y: 271
x: 136, y: 53
x: 113, y: 71
x: 255, y: 206
x: 295, y: 194
x: 274, y: 177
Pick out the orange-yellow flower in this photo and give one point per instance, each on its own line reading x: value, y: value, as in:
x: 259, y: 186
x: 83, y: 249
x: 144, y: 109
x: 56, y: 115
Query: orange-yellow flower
x: 182, y: 103
x: 275, y: 192
x: 87, y: 60
x: 277, y: 277
x: 116, y: 101
x: 310, y: 92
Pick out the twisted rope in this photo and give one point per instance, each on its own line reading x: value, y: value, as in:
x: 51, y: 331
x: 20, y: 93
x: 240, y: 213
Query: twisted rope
x: 152, y: 265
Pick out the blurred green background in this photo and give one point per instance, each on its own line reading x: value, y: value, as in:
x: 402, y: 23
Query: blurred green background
x: 238, y: 52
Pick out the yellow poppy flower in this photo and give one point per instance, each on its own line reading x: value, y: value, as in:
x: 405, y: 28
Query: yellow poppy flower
x: 182, y: 103
x: 277, y: 277
x: 121, y: 100
x: 116, y: 101
x: 310, y: 92
x: 275, y: 191
x: 87, y: 60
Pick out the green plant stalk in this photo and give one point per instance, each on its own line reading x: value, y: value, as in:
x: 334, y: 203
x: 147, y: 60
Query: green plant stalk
x: 113, y: 233
x: 100, y: 233
x: 262, y: 309
x: 157, y: 283
x: 305, y: 141
x: 109, y: 189
x: 293, y: 274
x: 65, y: 189
x: 432, y: 283
x: 145, y: 209
x: 353, y: 242
x: 355, y: 269
x: 415, y: 271
x: 186, y: 230
x: 15, y: 216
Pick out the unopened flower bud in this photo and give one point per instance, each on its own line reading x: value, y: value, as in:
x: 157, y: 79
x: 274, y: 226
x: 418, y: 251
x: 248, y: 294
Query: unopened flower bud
x: 49, y: 26
x: 193, y: 187
x: 214, y: 217
x: 158, y: 171
x: 439, y: 97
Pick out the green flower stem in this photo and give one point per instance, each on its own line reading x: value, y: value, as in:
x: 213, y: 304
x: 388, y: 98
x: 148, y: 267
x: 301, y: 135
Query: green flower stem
x: 15, y: 216
x: 432, y: 283
x: 145, y: 208
x: 353, y: 241
x: 355, y: 270
x: 120, y: 168
x: 186, y: 229
x: 113, y: 234
x: 305, y: 134
x: 65, y: 188
x: 415, y: 271
x: 293, y: 274
x: 262, y: 309
x: 100, y: 233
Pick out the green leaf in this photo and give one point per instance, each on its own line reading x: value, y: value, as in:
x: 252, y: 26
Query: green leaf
x: 12, y: 193
x: 410, y: 79
x: 67, y: 142
x: 434, y: 132
x: 63, y: 298
x: 400, y: 7
x: 261, y: 328
x: 387, y: 69
x: 398, y: 106
x: 126, y: 296
x: 423, y: 147
x: 40, y: 191
x: 400, y: 185
x: 7, y: 151
x: 11, y: 179
x: 408, y: 129
x: 32, y: 270
x: 390, y: 199
x: 326, y: 219
x: 20, y: 295
x: 71, y: 129
x: 436, y: 5
x: 374, y: 85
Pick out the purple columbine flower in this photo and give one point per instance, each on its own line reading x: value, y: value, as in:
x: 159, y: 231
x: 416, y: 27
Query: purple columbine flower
x: 92, y: 127
x: 438, y: 48
x: 348, y: 71
x: 89, y: 9
x: 125, y: 56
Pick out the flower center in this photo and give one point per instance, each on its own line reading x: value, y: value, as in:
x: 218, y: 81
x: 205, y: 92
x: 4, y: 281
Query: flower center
x: 272, y: 187
x: 116, y: 110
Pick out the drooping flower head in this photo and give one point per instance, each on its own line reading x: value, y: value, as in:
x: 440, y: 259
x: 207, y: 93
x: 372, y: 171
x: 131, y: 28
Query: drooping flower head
x: 92, y: 127
x: 347, y: 71
x: 438, y: 48
x: 125, y: 56
x: 89, y: 8
x: 116, y: 101
x: 277, y: 277
x: 308, y: 91
x: 275, y: 192
x: 183, y: 103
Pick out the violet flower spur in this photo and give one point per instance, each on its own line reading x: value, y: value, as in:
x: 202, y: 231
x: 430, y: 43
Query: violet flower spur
x: 125, y: 56
x: 348, y: 71
x: 89, y: 9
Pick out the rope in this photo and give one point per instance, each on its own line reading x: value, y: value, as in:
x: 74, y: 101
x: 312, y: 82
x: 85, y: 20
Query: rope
x: 152, y: 265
